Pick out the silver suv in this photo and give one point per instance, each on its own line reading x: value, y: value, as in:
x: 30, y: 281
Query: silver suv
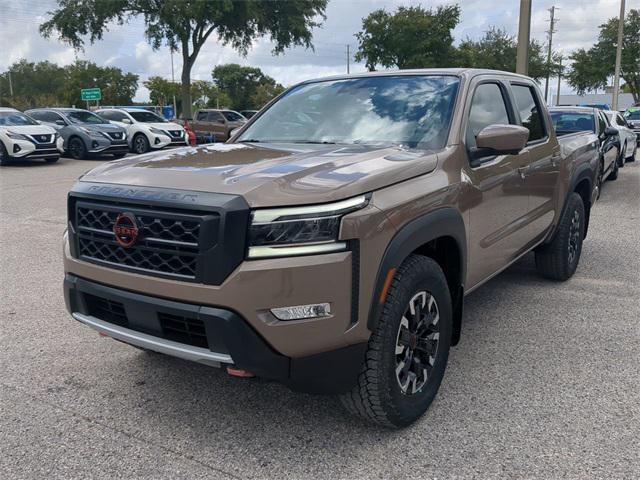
x: 84, y: 133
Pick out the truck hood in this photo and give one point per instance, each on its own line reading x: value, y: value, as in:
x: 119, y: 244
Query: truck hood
x: 273, y: 175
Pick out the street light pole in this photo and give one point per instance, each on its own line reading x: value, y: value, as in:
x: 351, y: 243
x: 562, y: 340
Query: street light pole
x: 616, y: 75
x: 551, y: 31
x: 524, y: 30
x: 559, y: 79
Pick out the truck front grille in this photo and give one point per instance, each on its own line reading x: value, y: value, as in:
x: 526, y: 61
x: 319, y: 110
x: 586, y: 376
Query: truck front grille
x: 181, y: 235
x: 169, y: 243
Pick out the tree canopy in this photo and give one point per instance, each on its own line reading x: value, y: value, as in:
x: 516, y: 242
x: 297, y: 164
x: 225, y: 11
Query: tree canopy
x: 412, y: 37
x: 592, y: 68
x: 47, y: 84
x: 187, y: 24
x: 497, y: 50
x: 246, y: 87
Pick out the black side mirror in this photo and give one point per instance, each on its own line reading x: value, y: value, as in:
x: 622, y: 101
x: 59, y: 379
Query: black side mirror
x: 610, y: 132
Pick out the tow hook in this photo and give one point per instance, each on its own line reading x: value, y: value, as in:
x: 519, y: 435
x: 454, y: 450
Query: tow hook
x: 236, y: 372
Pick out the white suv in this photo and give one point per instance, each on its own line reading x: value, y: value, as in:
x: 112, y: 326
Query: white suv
x: 628, y: 139
x: 145, y: 130
x: 21, y: 137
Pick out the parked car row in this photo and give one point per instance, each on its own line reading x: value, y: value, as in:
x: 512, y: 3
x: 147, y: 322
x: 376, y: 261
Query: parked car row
x: 113, y: 131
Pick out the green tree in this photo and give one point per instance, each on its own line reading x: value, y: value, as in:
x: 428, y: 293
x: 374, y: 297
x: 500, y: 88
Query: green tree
x: 246, y: 87
x: 187, y: 24
x: 33, y: 84
x: 497, y: 50
x: 117, y: 88
x: 411, y: 37
x: 161, y: 91
x: 592, y: 68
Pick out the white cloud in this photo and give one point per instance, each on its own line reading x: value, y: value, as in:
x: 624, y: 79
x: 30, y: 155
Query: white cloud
x: 126, y: 47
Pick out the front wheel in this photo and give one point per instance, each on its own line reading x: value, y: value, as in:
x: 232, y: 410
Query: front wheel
x: 408, y: 350
x: 77, y: 149
x: 140, y: 144
x: 4, y: 156
x: 614, y: 173
x: 558, y: 260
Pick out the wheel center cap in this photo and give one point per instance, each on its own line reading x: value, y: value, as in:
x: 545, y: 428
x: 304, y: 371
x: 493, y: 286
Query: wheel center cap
x: 413, y: 341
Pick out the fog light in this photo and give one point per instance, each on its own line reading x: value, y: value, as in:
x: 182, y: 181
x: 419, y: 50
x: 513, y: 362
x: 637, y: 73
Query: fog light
x: 157, y: 141
x: 299, y: 312
x: 16, y: 148
x: 94, y: 144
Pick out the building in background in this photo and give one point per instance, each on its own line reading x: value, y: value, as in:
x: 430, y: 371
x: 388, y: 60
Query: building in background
x: 625, y: 100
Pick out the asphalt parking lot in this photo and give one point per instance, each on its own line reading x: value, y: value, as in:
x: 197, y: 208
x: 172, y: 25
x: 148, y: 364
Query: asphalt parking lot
x: 544, y: 384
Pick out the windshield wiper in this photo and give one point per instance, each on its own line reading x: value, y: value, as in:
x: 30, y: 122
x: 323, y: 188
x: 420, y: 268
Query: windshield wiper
x: 251, y: 140
x: 312, y: 142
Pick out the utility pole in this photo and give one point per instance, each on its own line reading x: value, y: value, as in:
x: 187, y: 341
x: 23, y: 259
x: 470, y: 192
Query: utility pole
x: 173, y: 81
x: 10, y: 84
x: 559, y: 78
x: 551, y: 31
x: 616, y: 75
x: 348, y: 57
x: 524, y: 31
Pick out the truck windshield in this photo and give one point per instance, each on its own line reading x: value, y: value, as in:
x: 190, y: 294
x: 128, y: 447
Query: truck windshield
x: 410, y: 110
x: 569, y: 122
x: 80, y: 116
x: 145, y: 116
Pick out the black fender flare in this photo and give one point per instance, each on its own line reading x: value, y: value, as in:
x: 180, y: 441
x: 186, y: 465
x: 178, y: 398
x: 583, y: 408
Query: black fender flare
x: 583, y: 172
x: 444, y: 222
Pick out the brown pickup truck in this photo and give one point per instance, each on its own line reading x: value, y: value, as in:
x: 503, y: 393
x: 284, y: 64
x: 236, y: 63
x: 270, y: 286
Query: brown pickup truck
x: 329, y: 246
x: 216, y: 125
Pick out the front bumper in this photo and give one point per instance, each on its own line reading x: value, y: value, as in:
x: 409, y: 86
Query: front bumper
x: 98, y: 145
x: 26, y: 149
x: 224, y: 337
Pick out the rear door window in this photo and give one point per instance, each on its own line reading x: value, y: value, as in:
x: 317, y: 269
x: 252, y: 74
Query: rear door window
x: 215, y: 117
x: 530, y: 112
x: 202, y: 116
x: 488, y: 107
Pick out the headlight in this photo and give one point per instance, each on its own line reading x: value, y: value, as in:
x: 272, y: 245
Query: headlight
x: 157, y: 131
x: 16, y: 136
x: 288, y: 231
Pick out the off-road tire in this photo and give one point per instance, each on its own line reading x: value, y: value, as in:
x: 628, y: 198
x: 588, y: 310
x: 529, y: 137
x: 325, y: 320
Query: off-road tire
x: 138, y: 142
x: 554, y: 260
x: 614, y: 173
x: 378, y: 396
x: 77, y: 149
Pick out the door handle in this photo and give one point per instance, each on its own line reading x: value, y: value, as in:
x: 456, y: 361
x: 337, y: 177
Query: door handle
x: 555, y: 158
x: 522, y: 171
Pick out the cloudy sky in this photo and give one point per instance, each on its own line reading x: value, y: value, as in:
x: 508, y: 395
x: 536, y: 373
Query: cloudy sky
x: 125, y: 46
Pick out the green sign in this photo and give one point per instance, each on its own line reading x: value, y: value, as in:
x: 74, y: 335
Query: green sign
x: 91, y: 94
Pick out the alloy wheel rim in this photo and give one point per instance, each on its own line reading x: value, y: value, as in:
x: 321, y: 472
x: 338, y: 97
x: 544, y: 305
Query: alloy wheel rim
x: 140, y: 147
x: 417, y: 343
x: 75, y: 148
x: 574, y: 236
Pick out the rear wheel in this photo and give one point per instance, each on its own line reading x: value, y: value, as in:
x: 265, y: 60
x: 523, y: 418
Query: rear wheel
x: 408, y: 350
x: 558, y: 260
x: 77, y: 149
x: 623, y: 156
x: 140, y: 144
